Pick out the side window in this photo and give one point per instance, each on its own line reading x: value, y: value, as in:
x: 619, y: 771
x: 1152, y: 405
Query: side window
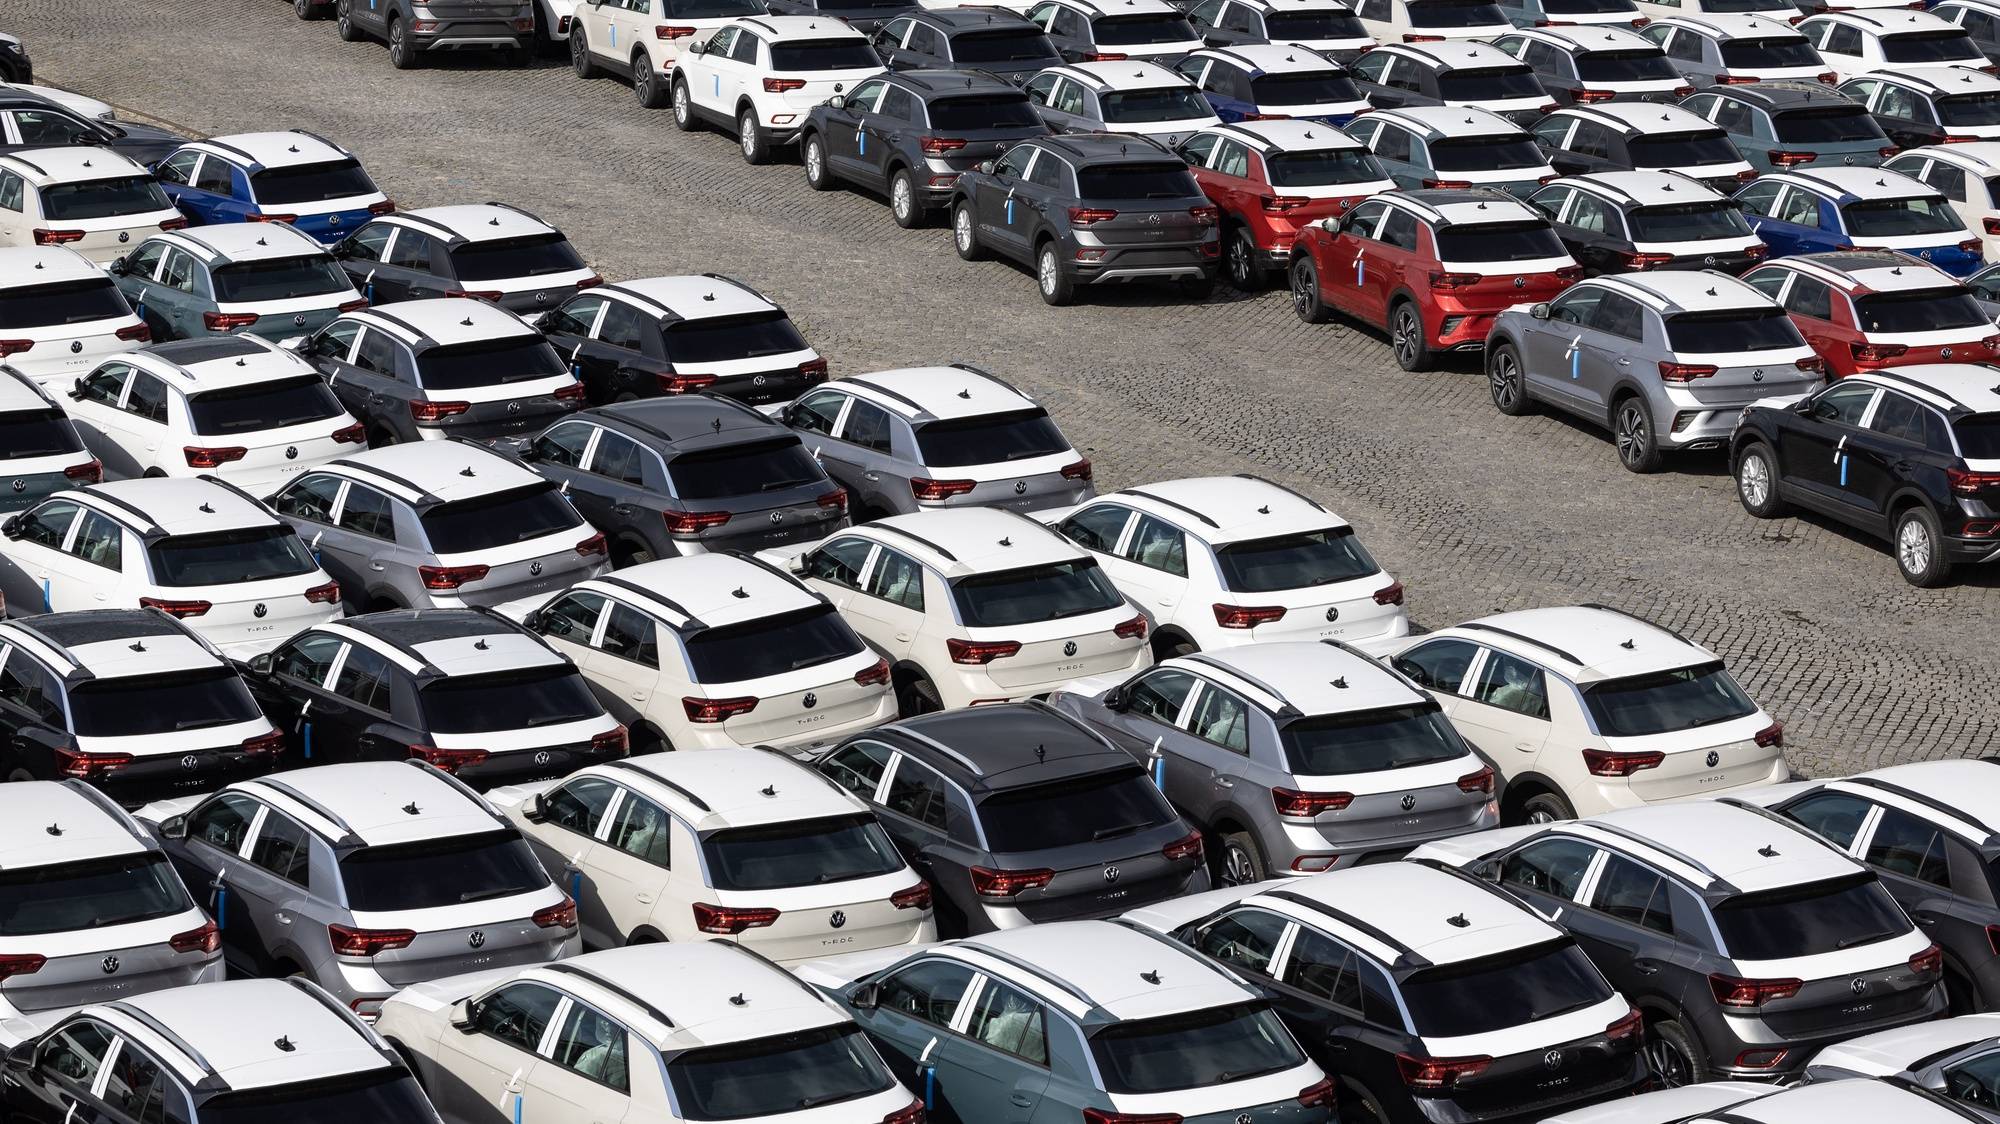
x: 896, y: 103
x: 1232, y: 159
x: 623, y: 327
x: 1197, y: 149
x: 858, y: 768
x: 1050, y: 172
x: 1550, y: 200
x: 579, y: 804
x: 1835, y: 816
x: 1096, y: 528
x: 1760, y: 198
x: 1222, y: 718
x: 929, y: 991
x: 178, y: 167
x: 367, y: 243
x: 745, y: 49
x: 719, y: 43
x: 573, y: 617
x: 1591, y: 140
x: 1322, y: 966
x: 1441, y: 664
x: 367, y: 512
x: 839, y: 562
x: 1975, y: 1080
x: 1800, y: 207
x: 282, y: 849
x: 12, y: 188
x: 1553, y: 131
x: 1633, y: 894
x: 1038, y: 89
x: 1621, y: 316
x: 412, y: 250
x: 1897, y: 416
x: 311, y: 498
x: 307, y: 658
x: 1246, y: 938
x: 577, y: 317
x: 898, y: 580
x: 377, y: 353
x: 1553, y: 866
x: 632, y: 635
x: 75, y: 1053
x: 816, y: 412
x: 1767, y: 281
x: 215, y: 176
x: 148, y: 396
x: 867, y: 426
x: 642, y: 829
x: 1685, y: 46
x: 180, y: 271
x: 1906, y: 845
x: 364, y: 680
x: 1577, y: 306
x: 594, y: 1046
x: 106, y: 384
x: 223, y: 822
x: 1159, y: 695
x: 1010, y: 1022
x: 618, y: 458
x: 1158, y: 546
x: 563, y: 445
x: 99, y: 541
x: 145, y: 260
x: 1809, y: 297
x: 1844, y: 403
x: 1392, y: 143
x: 1949, y: 181
x: 48, y: 525
x: 137, y: 1088
x: 1843, y: 40
x: 1590, y: 214
x: 1371, y: 66
x: 25, y: 683
x: 335, y: 341
x: 919, y: 793
x: 1513, y: 684
x: 518, y: 1014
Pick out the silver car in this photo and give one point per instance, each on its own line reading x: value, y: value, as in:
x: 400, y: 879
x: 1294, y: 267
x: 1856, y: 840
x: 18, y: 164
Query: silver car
x: 1665, y: 361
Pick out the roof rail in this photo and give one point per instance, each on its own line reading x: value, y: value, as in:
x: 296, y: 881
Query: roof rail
x: 858, y: 380
x: 748, y: 950
x: 1293, y: 492
x: 423, y: 338
x: 152, y: 530
x: 1640, y: 619
x: 736, y: 404
x: 361, y: 624
x: 1406, y: 957
x: 213, y: 1082
x: 1164, y: 501
x: 986, y: 374
x: 914, y: 735
x: 109, y: 807
x: 347, y: 1015
x: 1932, y: 1095
x: 1382, y: 662
x: 518, y: 210
x: 1285, y: 709
x: 1916, y: 797
x: 918, y: 539
x: 789, y: 578
x: 236, y: 489
x: 425, y: 498
x: 292, y: 793
x: 452, y: 237
x: 464, y: 789
x: 692, y: 622
x: 1630, y: 836
x: 60, y: 649
x: 724, y: 277
x: 633, y: 766
x: 27, y: 163
x: 1523, y: 639
x: 1009, y: 959
x: 1072, y: 720
x: 572, y: 968
x: 322, y: 140
x: 230, y: 149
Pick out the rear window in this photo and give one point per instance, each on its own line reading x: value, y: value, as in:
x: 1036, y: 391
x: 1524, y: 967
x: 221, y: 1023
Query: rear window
x: 1067, y: 813
x: 529, y: 256
x: 1969, y: 109
x: 1498, y: 242
x: 992, y: 439
x: 501, y: 519
x: 100, y: 199
x: 441, y: 872
x: 1684, y: 698
x: 1456, y: 13
x: 1136, y: 181
x: 1193, y: 1050
x: 163, y: 703
x: 1930, y: 47
x: 1490, y: 84
x: 1303, y: 89
x: 1019, y: 45
x: 712, y: 9
x: 1683, y: 150
x: 777, y: 1076
x: 1034, y: 593
x: 1892, y: 218
x: 1119, y: 31
x: 1138, y: 107
x: 71, y: 897
x: 383, y: 1093
x: 70, y: 302
x: 311, y: 183
x: 1978, y: 436
x: 277, y: 279
x: 36, y: 433
x: 1368, y: 741
x: 512, y: 359
x: 744, y: 470
x: 1688, y: 222
x: 227, y: 557
x: 1829, y: 125
x: 1294, y: 561
x: 799, y: 853
x: 998, y: 111
x: 1738, y: 6
x: 265, y: 405
x: 1767, y: 53
x: 1292, y: 27
x: 1809, y: 920
x: 771, y: 645
x: 1634, y: 65
x: 1587, y: 7
x: 1925, y: 310
x: 1487, y: 154
x: 1325, y: 168
x: 508, y: 700
x: 1746, y: 330
x: 824, y: 54
x: 1497, y: 992
x: 723, y: 339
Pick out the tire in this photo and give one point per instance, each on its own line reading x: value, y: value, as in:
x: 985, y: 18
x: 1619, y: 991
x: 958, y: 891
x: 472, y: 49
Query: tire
x: 1239, y: 861
x: 1407, y: 338
x: 1673, y: 1056
x: 648, y: 85
x: 1919, y: 546
x: 17, y: 774
x: 918, y: 696
x: 903, y: 201
x: 965, y: 232
x: 1360, y: 1106
x: 1239, y: 256
x: 1506, y: 382
x: 1198, y: 288
x: 1632, y: 430
x: 812, y: 153
x: 305, y: 9
x: 343, y: 22
x: 402, y: 55
x: 1057, y: 288
x: 1546, y: 807
x: 381, y: 438
x: 751, y: 139
x: 1305, y: 292
x: 579, y: 54
x: 1171, y: 647
x: 1757, y: 481
x: 683, y: 103
x: 632, y: 554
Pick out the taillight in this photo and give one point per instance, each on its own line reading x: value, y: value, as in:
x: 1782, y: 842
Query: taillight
x: 1887, y: 151
x: 1636, y: 260
x: 1929, y: 962
x: 571, y: 392
x: 1391, y: 594
x: 989, y: 883
x: 1450, y: 185
x: 1771, y: 737
x: 1411, y: 37
x: 1443, y: 280
x: 178, y: 609
x: 874, y: 675
x: 1481, y: 781
x: 173, y: 224
x: 1132, y: 629
x: 670, y: 31
x: 915, y: 897
x: 227, y: 321
x: 672, y: 383
x: 1207, y: 216
x: 1276, y: 204
x: 912, y: 1113
x: 1784, y: 159
x: 1569, y: 274
x: 1113, y: 1116
x: 449, y: 760
x: 1604, y: 763
x: 731, y: 920
x: 265, y: 745
x: 1317, y: 1095
x: 382, y: 207
x: 925, y: 489
x: 1745, y: 176
x: 592, y: 545
x: 128, y: 332
x: 562, y: 915
x: 88, y: 766
x: 90, y: 471
x: 198, y: 457
x: 1812, y: 363
x: 1633, y: 1025
x: 1967, y: 483
x: 15, y: 347
x: 980, y: 651
x: 1584, y: 96
x: 936, y: 146
x: 21, y: 964
x: 476, y: 294
x: 836, y: 499
x: 1743, y: 79
x: 1078, y: 470
x: 451, y: 577
x: 206, y: 938
x: 1992, y: 225
x: 426, y: 411
x: 1683, y: 91
x: 351, y: 434
x: 349, y: 941
x: 1085, y: 216
x: 1970, y: 245
x: 1876, y: 352
x: 1432, y: 1074
x: 615, y: 740
x: 57, y: 237
x: 353, y: 306
x: 1827, y: 76
x: 1295, y: 804
x: 327, y: 594
x: 1186, y: 847
x: 1685, y: 372
x: 711, y: 711
x: 780, y: 85
x: 813, y: 370
x: 1246, y: 616
x: 258, y: 216
x: 1731, y: 991
x: 693, y: 522
x: 1103, y: 56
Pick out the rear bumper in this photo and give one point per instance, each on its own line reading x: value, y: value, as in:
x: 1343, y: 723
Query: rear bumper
x: 1603, y: 795
x: 362, y: 988
x: 1729, y: 1038
x: 1972, y: 551
x: 1349, y: 847
x: 166, y: 776
x: 470, y: 34
x: 1000, y: 915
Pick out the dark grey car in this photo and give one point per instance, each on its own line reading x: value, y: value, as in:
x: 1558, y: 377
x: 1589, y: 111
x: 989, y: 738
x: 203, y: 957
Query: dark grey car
x: 413, y: 30
x: 33, y: 121
x: 862, y: 15
x: 990, y: 39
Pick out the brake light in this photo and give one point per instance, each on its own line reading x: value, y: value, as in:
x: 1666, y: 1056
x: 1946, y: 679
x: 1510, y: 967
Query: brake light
x: 1811, y: 363
x: 88, y: 766
x: 614, y: 740
x: 1112, y: 1116
x: 1455, y: 185
x: 1993, y: 938
x: 128, y: 332
x: 916, y: 897
x: 1929, y: 962
x: 1432, y: 1074
x: 351, y: 434
x: 1132, y: 629
x: 912, y: 1113
x: 173, y: 224
x: 1391, y: 594
x: 1443, y: 280
x: 1646, y: 261
x: 1186, y: 847
x: 1876, y: 352
x: 1411, y: 38
x: 1970, y: 245
x: 90, y: 471
x: 989, y: 883
x: 28, y: 963
x: 1992, y: 225
x: 937, y: 146
x: 1206, y: 215
x: 1604, y: 763
x: 1784, y: 159
x: 1317, y: 1095
x: 780, y: 85
x: 180, y: 610
x: 1887, y: 151
x: 669, y: 31
x: 693, y: 522
x: 476, y: 294
x: 353, y: 306
x: 15, y: 347
x: 1743, y: 79
x: 592, y: 545
x: 425, y: 411
x: 671, y: 383
x: 925, y: 489
x: 711, y: 711
x: 382, y: 207
x: 874, y: 675
x: 813, y: 370
x: 451, y: 577
x: 349, y: 941
x: 256, y: 216
x: 327, y: 594
x: 1294, y: 804
x: 1745, y: 176
x: 1967, y: 483
x: 570, y: 392
x: 731, y: 920
x: 57, y: 237
x: 227, y: 321
x: 1277, y: 204
x: 1731, y: 991
x: 198, y: 457
x: 1085, y: 216
x: 265, y: 745
x: 1633, y: 1025
x: 1584, y: 97
x: 1686, y: 372
x: 1080, y: 470
x: 206, y: 938
x: 449, y: 760
x: 562, y: 915
x: 980, y: 651
x: 1481, y: 781
x: 1771, y: 737
x: 1683, y: 91
x: 1569, y: 274
x: 836, y: 499
x: 1245, y: 616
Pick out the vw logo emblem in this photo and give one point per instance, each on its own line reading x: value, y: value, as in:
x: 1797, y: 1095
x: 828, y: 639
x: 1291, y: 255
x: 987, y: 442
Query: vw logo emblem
x: 838, y: 919
x: 1924, y: 254
x: 260, y: 610
x: 839, y: 87
x: 75, y: 346
x: 1944, y: 353
x: 1333, y: 612
x: 757, y: 380
x: 124, y: 236
x: 513, y: 407
x: 20, y: 485
x: 299, y: 320
x: 1111, y: 874
x: 291, y: 452
x: 1757, y: 375
x: 535, y: 568
x: 542, y: 757
x: 777, y: 517
x: 1520, y: 282
x: 541, y: 298
x: 1244, y: 1118
x: 1858, y: 986
x: 110, y: 965
x: 189, y: 761
x: 477, y: 939
x: 1020, y: 487
x: 1714, y: 759
x: 1709, y: 260
x: 1552, y: 1059
x: 1847, y: 159
x: 1069, y: 649
x: 333, y: 220
x: 811, y: 700
x: 1409, y: 801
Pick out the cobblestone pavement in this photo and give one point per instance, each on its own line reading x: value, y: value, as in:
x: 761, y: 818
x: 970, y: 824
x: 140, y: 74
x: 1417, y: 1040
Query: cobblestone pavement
x: 1474, y: 511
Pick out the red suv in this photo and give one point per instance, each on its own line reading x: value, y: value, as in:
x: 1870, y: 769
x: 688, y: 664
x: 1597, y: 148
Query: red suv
x: 1863, y: 310
x: 1272, y: 178
x: 1432, y: 267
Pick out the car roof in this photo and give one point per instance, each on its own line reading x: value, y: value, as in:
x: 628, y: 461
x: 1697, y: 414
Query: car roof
x: 1588, y: 37
x: 164, y: 505
x: 274, y: 149
x: 377, y: 803
x: 43, y: 823
x: 1964, y: 790
x: 1102, y: 969
x: 699, y: 591
x: 1865, y: 271
x: 112, y: 643
x: 1673, y: 291
x: 249, y: 1033
x: 1853, y: 184
x: 957, y: 541
x: 1982, y: 155
x: 1887, y: 21
x: 940, y: 84
x: 1455, y: 54
x: 937, y: 393
x: 694, y: 296
x: 218, y: 362
x: 1093, y: 149
x: 782, y: 28
x: 1121, y: 7
x: 440, y: 643
x: 728, y: 788
x: 1271, y: 58
x: 473, y: 222
x: 1953, y: 387
x: 1644, y: 188
x: 22, y: 266
x: 1306, y: 677
x: 966, y: 19
x: 423, y: 473
x: 1287, y: 135
x: 242, y: 241
x: 1779, y: 96
x: 1587, y: 643
x: 1131, y: 74
x: 1007, y: 745
x: 1300, y: 5
x: 71, y: 164
x: 19, y: 392
x: 1640, y: 118
x: 1678, y: 1105
x: 677, y: 423
x: 1844, y: 1100
x: 1412, y: 915
x: 1448, y: 121
x: 444, y: 321
x: 687, y: 994
x: 1939, y: 81
x: 1733, y: 25
x: 1227, y: 509
x: 1716, y: 845
x: 1467, y: 207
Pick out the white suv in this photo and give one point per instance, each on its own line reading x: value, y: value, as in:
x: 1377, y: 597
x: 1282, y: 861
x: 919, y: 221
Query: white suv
x: 1857, y: 43
x: 761, y: 76
x: 93, y: 200
x: 238, y: 407
x: 643, y: 39
x: 743, y: 844
x: 973, y: 605
x: 717, y: 651
x: 1225, y: 560
x: 200, y: 550
x: 1431, y: 21
x: 1587, y: 708
x: 60, y: 314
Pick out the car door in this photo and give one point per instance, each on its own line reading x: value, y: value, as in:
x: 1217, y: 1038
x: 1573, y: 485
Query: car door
x: 889, y: 607
x: 353, y: 716
x: 1548, y: 874
x: 1340, y: 1005
x: 99, y: 419
x: 411, y: 268
x: 487, y: 1061
x: 180, y: 298
x: 1506, y: 714
x: 1617, y: 328
x: 624, y: 658
x: 613, y: 475
x: 1888, y: 451
x: 1150, y: 717
x: 1205, y: 764
x: 362, y: 541
x: 212, y: 193
x: 1809, y: 302
x: 585, y: 1075
x: 1356, y: 262
x: 1599, y: 230
x: 571, y: 330
x: 866, y: 447
x: 846, y: 134
x: 1813, y: 459
x: 272, y: 884
x: 36, y: 558
x: 360, y: 255
x: 137, y: 1090
x: 302, y: 672
x: 33, y: 718
x: 1390, y: 254
x: 210, y: 861
x: 1916, y: 860
x: 888, y: 43
x: 1442, y: 666
x: 1903, y: 113
x: 1555, y: 347
x: 140, y: 422
x: 1156, y: 571
x: 309, y: 504
x: 565, y: 840
x: 881, y: 132
x: 836, y: 569
x: 1396, y: 149
x: 705, y: 90
x: 915, y: 810
x: 138, y: 278
x: 1628, y: 926
x: 559, y: 453
x: 995, y: 1067
x: 176, y: 175
x: 916, y: 1006
x: 68, y: 1063
x: 94, y: 566
x: 630, y: 867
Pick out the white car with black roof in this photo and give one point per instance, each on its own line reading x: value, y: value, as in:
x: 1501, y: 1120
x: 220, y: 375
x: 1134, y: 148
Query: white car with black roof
x: 1455, y: 72
x: 1593, y: 65
x: 1432, y: 21
x: 1644, y: 137
x: 95, y: 201
x: 39, y: 444
x: 60, y: 314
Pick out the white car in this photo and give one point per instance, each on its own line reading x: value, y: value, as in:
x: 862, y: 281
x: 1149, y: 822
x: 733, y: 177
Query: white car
x: 1730, y: 49
x: 74, y: 102
x: 240, y: 408
x: 642, y: 39
x: 1219, y: 561
x: 971, y: 605
x: 1585, y: 709
x: 759, y: 76
x: 1326, y: 26
x: 39, y: 445
x: 1783, y: 10
x: 1116, y: 30
x: 1854, y: 43
x: 200, y: 550
x: 717, y: 651
x: 60, y: 314
x: 1477, y: 75
x: 1957, y: 99
x: 1137, y: 98
x: 663, y: 1033
x: 1965, y: 174
x: 744, y: 844
x: 1605, y: 64
x: 1684, y: 1103
x: 1431, y: 21
x: 1886, y: 1053
x: 93, y: 200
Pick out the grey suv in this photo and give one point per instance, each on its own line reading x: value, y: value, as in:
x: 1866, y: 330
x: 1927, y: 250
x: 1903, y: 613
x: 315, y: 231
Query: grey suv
x: 690, y: 474
x: 412, y: 31
x: 991, y: 40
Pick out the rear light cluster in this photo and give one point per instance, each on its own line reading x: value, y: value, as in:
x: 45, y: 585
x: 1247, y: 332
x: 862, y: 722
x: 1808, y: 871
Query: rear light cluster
x: 915, y: 897
x: 1278, y: 204
x: 206, y: 938
x: 1294, y: 804
x: 1246, y: 616
x: 1584, y: 96
x: 1089, y: 216
x: 1876, y: 352
x: 350, y: 941
x: 912, y: 1113
x: 874, y: 675
x: 1685, y: 372
x: 1449, y: 185
x: 813, y: 370
x: 1929, y: 962
x: 989, y: 883
x: 573, y: 392
x: 731, y: 920
x: 1604, y: 763
x: 351, y: 434
x: 1431, y: 1075
x: 672, y: 383
x: 15, y: 347
x: 178, y: 609
x: 1113, y: 1116
x: 938, y: 146
x: 1078, y: 470
x: 693, y: 522
x: 980, y: 651
x: 449, y: 760
x: 88, y: 766
x: 1632, y: 1026
x: 1188, y: 846
x: 780, y: 85
x: 562, y: 915
x: 425, y: 411
x: 265, y: 745
x: 57, y: 237
x: 21, y: 964
x: 834, y: 499
x: 1733, y: 991
x: 476, y: 294
x: 1641, y: 261
x: 667, y: 31
x: 708, y: 712
x: 327, y: 594
x: 90, y: 471
x: 451, y: 577
x: 1812, y: 363
x: 1443, y: 280
x: 385, y: 206
x: 1481, y: 781
x: 595, y: 544
x: 199, y: 457
x: 926, y: 489
x: 1132, y: 629
x: 1770, y: 737
x: 1967, y: 483
x: 1785, y: 159
x: 129, y: 332
x: 227, y: 321
x: 1207, y: 216
x: 615, y: 740
x: 1391, y: 594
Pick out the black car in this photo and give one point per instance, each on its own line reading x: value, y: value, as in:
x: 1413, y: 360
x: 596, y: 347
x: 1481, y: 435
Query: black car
x: 493, y: 251
x: 1015, y: 814
x: 1401, y: 75
x: 694, y: 473
x: 1622, y: 136
x: 34, y: 121
x: 1922, y: 106
x: 1904, y: 454
x: 989, y: 39
x: 15, y: 66
x: 912, y: 133
x: 1089, y: 209
x: 862, y: 15
x: 1611, y: 222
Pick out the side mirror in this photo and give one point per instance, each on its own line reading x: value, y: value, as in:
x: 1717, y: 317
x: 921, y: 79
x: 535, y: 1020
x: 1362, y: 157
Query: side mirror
x: 1116, y: 700
x: 118, y: 267
x: 535, y: 811
x: 837, y: 101
x: 528, y: 453
x: 698, y: 47
x: 796, y: 564
x: 545, y: 321
x: 1805, y: 406
x: 174, y: 827
x: 866, y: 997
x: 1487, y: 869
x: 263, y: 663
x: 22, y: 1055
x: 1539, y: 310
x: 461, y: 1011
x: 12, y: 527
x: 986, y: 167
x: 76, y: 389
x: 533, y: 621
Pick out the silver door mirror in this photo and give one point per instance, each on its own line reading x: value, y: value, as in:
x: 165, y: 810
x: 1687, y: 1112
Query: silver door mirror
x: 1539, y: 310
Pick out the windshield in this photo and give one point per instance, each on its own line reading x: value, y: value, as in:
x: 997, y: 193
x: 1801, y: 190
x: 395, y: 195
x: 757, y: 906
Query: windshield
x: 523, y: 699
x: 1682, y: 150
x: 1831, y: 124
x: 1810, y: 919
x: 824, y: 54
x: 1499, y: 242
x: 1487, y: 154
x: 1490, y: 84
x: 1978, y: 436
x: 745, y: 470
x: 770, y: 646
x: 529, y: 256
x: 1328, y: 88
x: 1931, y: 47
x: 1296, y: 27
x: 71, y: 897
x: 1688, y: 222
x: 986, y: 111
x: 37, y: 433
x: 494, y: 362
x: 1168, y: 103
x: 1136, y: 181
x: 991, y: 439
x: 1632, y: 65
x: 1125, y: 31
x: 1070, y: 812
x: 446, y: 871
x: 264, y: 405
x: 389, y: 1093
x: 1033, y: 594
x: 1753, y: 54
x: 1193, y: 1050
x: 99, y: 199
x: 501, y: 519
x: 1497, y: 993
x: 799, y: 853
x: 1324, y: 168
x: 1969, y: 109
x: 1684, y: 698
x: 71, y: 302
x: 1367, y: 741
x: 1733, y: 330
x: 1889, y: 218
x: 723, y: 339
x: 1456, y: 13
x: 311, y: 183
x: 226, y: 557
x: 1920, y: 310
x: 1298, y: 561
x: 160, y: 703
x: 775, y: 1076
x: 277, y: 279
x: 1011, y: 45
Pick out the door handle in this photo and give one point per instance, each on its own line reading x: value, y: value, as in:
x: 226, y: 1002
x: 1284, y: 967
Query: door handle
x: 871, y: 477
x: 1645, y: 967
x: 1224, y: 782
x: 1022, y: 1100
x: 283, y: 917
x: 646, y: 898
x: 1624, y: 362
x: 902, y: 637
x: 621, y: 509
x: 375, y: 566
x: 1525, y: 747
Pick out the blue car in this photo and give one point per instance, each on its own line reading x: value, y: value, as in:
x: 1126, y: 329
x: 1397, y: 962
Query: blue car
x: 1262, y: 81
x: 1812, y: 211
x: 295, y: 177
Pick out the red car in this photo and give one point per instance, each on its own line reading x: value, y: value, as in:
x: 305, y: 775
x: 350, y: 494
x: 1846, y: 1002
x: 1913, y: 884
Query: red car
x: 1863, y: 310
x: 1432, y: 267
x: 1270, y: 179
